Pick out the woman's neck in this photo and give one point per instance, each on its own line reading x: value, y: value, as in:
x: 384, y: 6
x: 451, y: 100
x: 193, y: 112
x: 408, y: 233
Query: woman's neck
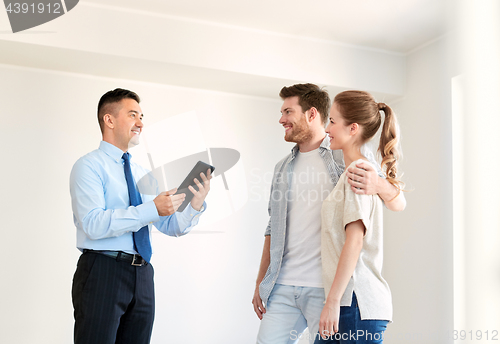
x: 352, y: 153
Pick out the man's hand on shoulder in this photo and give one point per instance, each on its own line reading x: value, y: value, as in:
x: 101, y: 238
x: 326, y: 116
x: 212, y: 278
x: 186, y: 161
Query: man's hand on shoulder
x: 167, y: 203
x: 363, y: 179
x: 203, y: 189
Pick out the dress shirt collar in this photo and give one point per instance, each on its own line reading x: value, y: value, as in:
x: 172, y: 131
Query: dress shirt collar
x: 114, y: 152
x: 325, y: 144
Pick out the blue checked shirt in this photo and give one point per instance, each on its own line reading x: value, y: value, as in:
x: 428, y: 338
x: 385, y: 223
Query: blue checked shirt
x: 276, y: 228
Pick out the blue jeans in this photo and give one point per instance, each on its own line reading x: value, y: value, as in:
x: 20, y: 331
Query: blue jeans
x: 289, y: 311
x: 353, y: 330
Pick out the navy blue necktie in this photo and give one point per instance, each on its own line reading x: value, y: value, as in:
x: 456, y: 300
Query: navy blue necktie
x: 141, y: 238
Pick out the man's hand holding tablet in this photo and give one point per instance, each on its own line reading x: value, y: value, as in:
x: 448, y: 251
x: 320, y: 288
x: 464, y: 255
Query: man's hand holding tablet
x: 203, y: 189
x: 196, y: 191
x: 167, y: 202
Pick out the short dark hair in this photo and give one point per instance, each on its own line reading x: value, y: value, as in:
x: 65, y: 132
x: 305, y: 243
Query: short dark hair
x: 310, y: 95
x: 113, y: 97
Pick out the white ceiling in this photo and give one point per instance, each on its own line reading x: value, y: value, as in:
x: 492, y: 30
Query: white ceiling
x: 393, y: 25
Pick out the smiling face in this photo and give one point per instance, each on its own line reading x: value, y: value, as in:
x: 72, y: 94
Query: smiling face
x: 294, y: 120
x: 339, y: 132
x: 125, y: 124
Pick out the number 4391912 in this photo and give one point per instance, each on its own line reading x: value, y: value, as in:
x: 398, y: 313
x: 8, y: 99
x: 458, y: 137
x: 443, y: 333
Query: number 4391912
x: 31, y: 8
x: 477, y: 335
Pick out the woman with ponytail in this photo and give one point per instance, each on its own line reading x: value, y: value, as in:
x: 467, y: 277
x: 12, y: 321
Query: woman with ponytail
x: 358, y: 303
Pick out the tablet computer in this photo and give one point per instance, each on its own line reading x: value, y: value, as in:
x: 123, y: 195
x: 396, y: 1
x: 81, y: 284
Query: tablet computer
x: 189, y: 180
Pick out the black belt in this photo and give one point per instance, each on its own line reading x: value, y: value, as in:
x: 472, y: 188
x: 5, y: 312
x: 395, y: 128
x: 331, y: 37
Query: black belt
x: 133, y: 259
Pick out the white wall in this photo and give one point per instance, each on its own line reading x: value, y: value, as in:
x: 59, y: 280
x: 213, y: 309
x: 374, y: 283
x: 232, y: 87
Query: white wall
x: 480, y: 53
x: 418, y: 242
x: 100, y: 40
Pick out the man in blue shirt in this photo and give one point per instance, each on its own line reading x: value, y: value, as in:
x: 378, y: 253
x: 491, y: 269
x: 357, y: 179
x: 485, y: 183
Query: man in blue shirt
x: 113, y: 290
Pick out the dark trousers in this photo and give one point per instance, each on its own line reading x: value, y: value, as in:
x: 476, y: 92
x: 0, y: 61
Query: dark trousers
x: 113, y: 301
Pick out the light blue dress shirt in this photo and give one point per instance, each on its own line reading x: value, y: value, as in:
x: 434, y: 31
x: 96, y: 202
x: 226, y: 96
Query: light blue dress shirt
x: 102, y: 213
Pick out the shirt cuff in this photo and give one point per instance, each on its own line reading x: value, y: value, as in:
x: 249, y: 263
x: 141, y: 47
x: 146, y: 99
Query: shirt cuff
x: 189, y: 213
x: 148, y: 213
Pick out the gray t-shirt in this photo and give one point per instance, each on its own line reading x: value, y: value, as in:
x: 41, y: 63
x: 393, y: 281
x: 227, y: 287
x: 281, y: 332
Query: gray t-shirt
x: 340, y: 208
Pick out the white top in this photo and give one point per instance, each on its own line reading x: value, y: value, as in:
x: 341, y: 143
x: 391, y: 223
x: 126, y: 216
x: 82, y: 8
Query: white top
x: 310, y: 184
x: 339, y: 209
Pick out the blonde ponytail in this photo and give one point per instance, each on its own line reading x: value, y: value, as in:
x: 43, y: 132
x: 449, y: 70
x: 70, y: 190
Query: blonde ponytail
x: 389, y: 146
